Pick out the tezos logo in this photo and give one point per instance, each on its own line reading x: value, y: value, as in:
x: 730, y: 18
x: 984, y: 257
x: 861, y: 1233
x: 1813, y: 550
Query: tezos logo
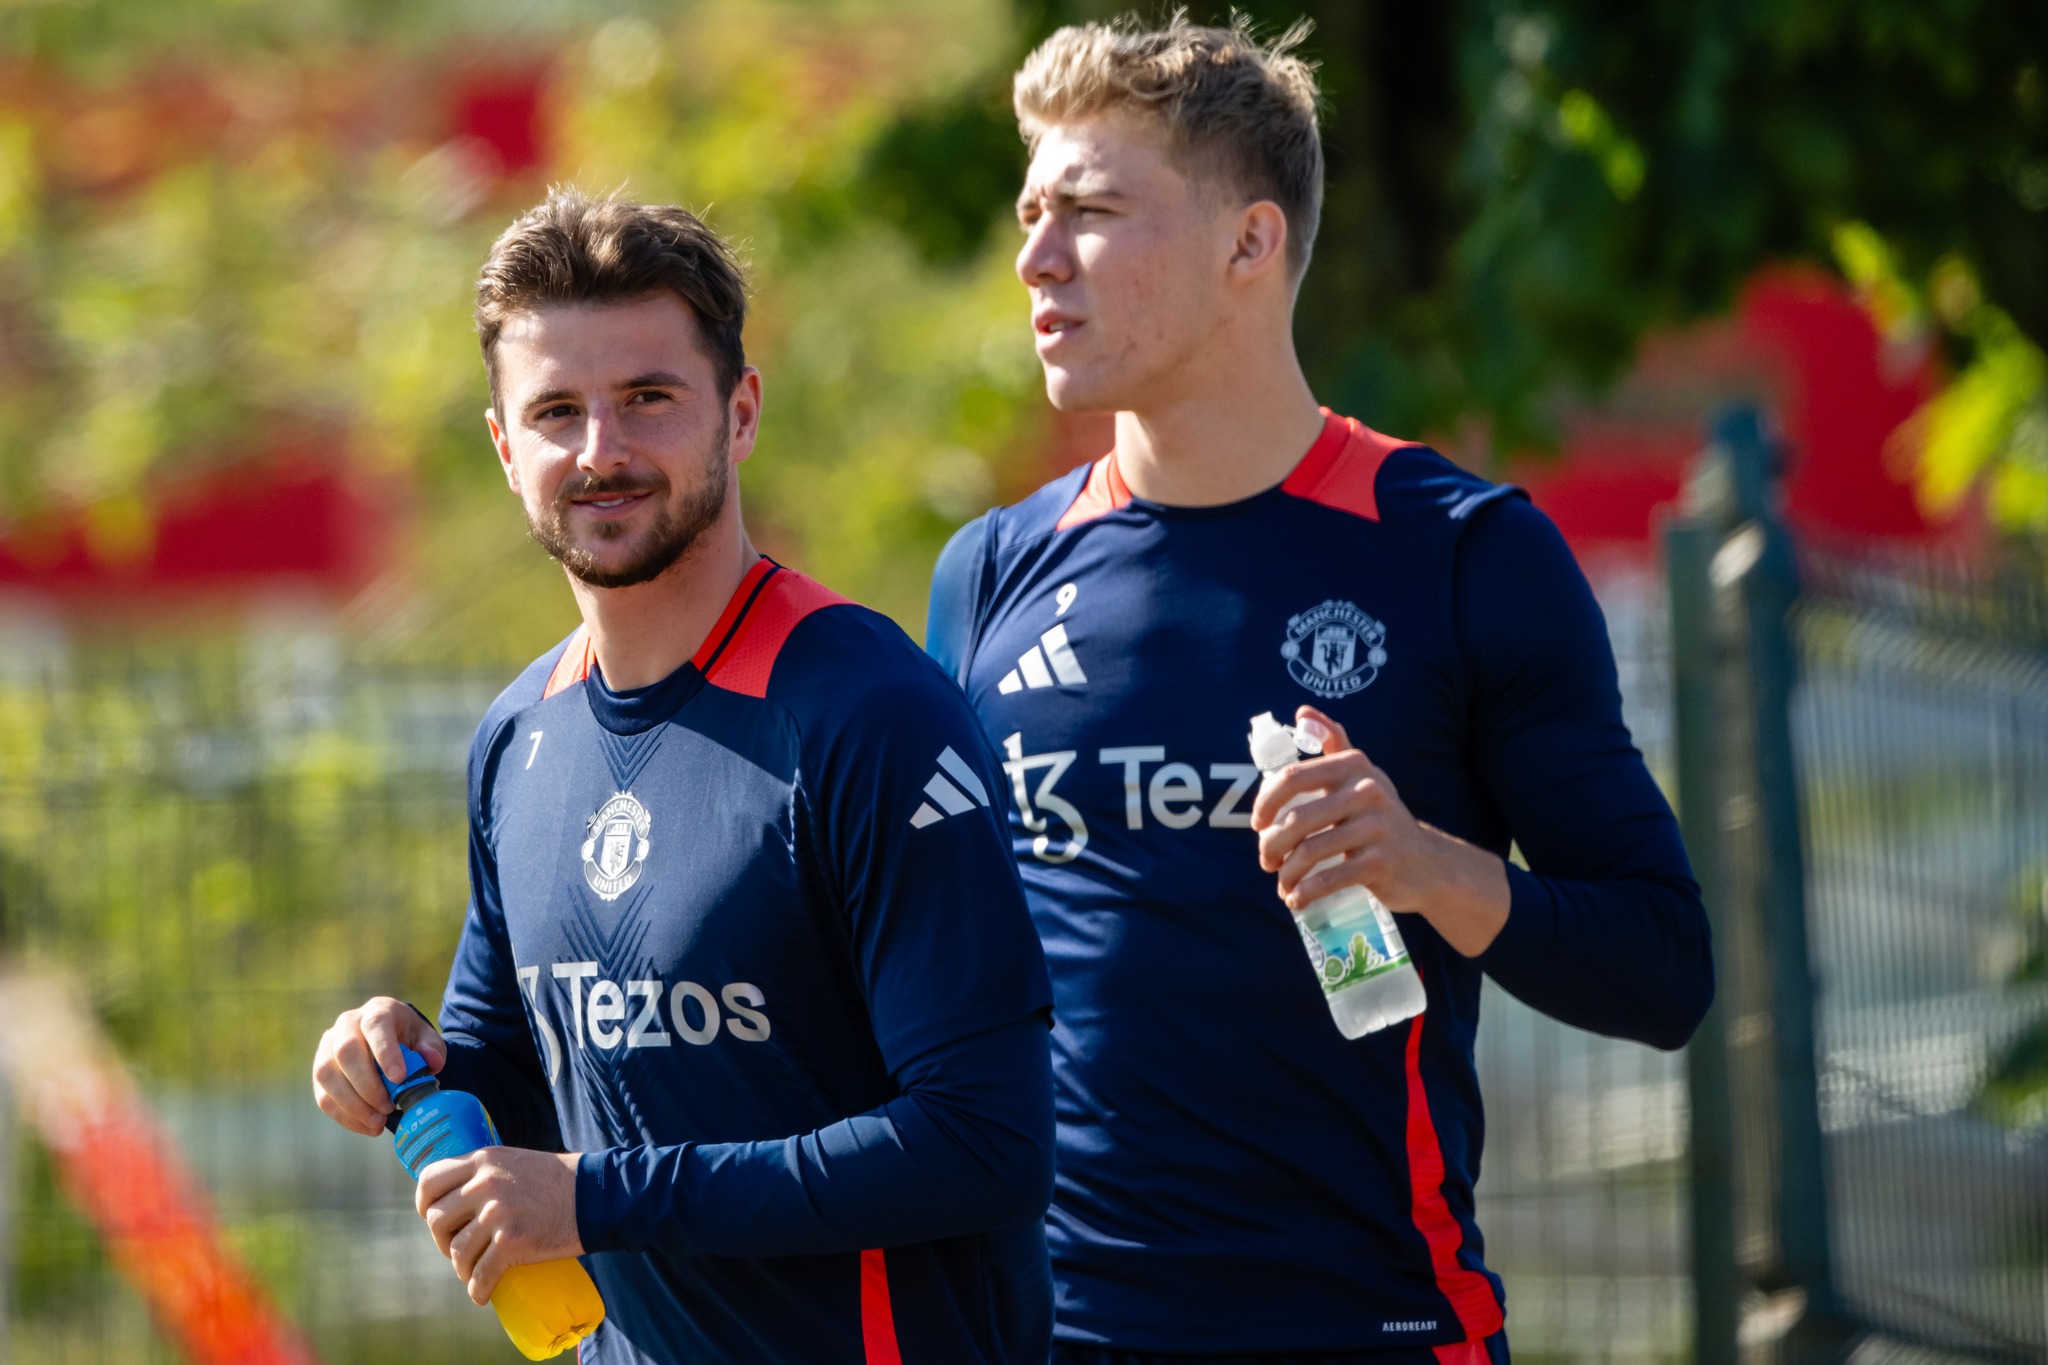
x: 617, y: 846
x: 1335, y: 649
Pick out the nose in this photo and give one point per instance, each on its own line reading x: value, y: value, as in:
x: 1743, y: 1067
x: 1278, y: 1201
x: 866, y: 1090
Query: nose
x: 1047, y: 255
x: 604, y: 441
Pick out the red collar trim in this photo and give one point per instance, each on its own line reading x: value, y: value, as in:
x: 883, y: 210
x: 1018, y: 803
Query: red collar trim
x: 721, y: 632
x: 579, y: 656
x: 1104, y: 492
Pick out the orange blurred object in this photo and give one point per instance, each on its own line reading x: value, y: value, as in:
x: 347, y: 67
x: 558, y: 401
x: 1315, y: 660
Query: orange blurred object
x: 122, y: 1172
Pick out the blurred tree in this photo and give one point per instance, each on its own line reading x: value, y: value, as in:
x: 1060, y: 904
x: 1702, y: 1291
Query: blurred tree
x: 216, y: 237
x: 1518, y: 189
x: 220, y: 222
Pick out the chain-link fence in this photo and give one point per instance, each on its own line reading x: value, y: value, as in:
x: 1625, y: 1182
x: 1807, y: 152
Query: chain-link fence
x: 1923, y: 726
x: 1582, y: 1192
x: 226, y: 848
x: 1864, y: 744
x: 1891, y: 717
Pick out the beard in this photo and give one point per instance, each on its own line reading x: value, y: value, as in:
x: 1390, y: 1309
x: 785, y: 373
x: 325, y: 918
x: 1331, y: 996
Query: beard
x: 677, y: 525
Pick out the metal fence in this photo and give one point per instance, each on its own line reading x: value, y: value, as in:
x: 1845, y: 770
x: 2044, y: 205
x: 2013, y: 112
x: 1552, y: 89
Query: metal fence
x: 226, y: 848
x: 1890, y: 715
x: 1582, y: 1191
x: 1924, y: 734
x: 1863, y: 770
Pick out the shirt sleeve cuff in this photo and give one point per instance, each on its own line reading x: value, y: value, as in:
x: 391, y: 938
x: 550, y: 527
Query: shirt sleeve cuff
x: 1531, y: 928
x: 600, y: 1196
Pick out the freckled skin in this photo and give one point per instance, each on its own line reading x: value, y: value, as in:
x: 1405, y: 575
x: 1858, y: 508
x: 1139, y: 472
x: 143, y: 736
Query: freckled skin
x: 1178, y: 294
x: 1117, y: 236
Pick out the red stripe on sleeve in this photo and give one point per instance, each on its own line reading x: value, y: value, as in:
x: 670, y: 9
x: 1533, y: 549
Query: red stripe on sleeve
x: 1470, y: 1293
x: 749, y: 657
x: 877, y: 1319
x: 1463, y: 1353
x: 574, y: 665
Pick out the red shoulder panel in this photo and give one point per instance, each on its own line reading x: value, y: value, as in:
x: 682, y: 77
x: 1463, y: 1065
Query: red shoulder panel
x: 1340, y: 468
x: 748, y: 658
x: 1104, y: 492
x: 735, y: 607
x: 575, y: 664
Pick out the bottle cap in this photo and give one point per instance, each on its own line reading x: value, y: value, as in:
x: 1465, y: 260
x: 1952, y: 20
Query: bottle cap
x: 418, y: 1079
x: 1272, y: 743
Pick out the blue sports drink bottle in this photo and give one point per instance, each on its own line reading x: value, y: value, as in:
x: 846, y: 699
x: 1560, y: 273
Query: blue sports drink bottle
x: 544, y: 1308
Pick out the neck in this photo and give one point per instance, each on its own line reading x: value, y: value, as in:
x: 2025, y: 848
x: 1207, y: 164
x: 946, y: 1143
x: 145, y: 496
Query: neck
x: 1232, y: 424
x: 644, y: 633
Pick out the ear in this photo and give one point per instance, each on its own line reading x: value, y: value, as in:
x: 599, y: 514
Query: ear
x: 503, y: 446
x: 1260, y: 246
x: 743, y: 414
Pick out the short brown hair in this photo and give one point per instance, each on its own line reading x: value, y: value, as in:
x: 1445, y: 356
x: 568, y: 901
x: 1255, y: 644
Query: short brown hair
x: 1236, y: 110
x: 572, y: 248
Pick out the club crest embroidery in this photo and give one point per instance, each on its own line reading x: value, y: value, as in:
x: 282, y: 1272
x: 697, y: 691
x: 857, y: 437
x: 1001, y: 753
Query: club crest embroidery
x: 1334, y: 650
x: 617, y: 847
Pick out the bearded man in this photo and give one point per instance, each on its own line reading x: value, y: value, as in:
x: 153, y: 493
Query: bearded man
x: 747, y: 980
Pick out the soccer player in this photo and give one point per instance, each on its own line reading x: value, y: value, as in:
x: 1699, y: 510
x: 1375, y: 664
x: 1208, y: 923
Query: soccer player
x: 1236, y: 1179
x: 747, y: 979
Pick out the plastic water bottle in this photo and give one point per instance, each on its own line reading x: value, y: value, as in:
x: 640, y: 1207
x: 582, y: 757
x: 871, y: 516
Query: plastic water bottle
x: 1352, y: 939
x: 544, y: 1308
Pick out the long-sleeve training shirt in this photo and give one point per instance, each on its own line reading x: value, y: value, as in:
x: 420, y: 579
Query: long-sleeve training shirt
x: 750, y: 939
x: 1234, y: 1176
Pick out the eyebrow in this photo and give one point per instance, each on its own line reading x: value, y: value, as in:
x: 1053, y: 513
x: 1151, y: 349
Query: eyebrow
x: 655, y: 379
x: 547, y: 396
x: 1066, y: 192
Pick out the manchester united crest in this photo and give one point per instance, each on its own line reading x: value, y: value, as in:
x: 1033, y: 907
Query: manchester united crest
x: 617, y: 847
x: 1334, y: 650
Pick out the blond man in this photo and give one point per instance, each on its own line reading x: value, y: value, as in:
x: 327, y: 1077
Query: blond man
x: 1236, y: 1178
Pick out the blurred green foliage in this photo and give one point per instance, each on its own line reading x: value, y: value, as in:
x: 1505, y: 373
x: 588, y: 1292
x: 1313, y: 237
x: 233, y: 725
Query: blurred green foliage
x: 2014, y: 1091
x: 1619, y: 169
x: 281, y: 258
x: 227, y: 867
x: 1520, y: 189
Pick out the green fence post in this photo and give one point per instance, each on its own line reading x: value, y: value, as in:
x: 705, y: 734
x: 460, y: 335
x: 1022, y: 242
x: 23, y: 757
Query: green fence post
x: 1769, y: 587
x: 1689, y: 547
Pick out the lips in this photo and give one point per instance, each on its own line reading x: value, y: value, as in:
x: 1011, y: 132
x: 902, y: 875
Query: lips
x: 1051, y: 324
x: 608, y: 498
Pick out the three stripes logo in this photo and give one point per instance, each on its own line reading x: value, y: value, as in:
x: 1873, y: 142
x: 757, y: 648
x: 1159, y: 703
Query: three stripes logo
x: 1041, y: 667
x: 954, y: 790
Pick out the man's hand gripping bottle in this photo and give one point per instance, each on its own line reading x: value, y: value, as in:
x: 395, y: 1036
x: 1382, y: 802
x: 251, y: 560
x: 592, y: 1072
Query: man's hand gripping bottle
x: 545, y: 1308
x: 1351, y: 938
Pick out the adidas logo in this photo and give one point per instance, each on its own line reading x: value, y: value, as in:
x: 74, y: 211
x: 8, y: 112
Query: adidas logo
x: 950, y: 799
x: 1032, y: 665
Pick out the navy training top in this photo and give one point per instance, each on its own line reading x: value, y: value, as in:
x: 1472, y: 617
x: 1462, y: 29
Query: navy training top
x: 751, y: 940
x: 1235, y: 1176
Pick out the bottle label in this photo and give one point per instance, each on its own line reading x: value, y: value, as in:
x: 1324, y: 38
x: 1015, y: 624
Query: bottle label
x: 449, y: 1124
x: 1353, y: 948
